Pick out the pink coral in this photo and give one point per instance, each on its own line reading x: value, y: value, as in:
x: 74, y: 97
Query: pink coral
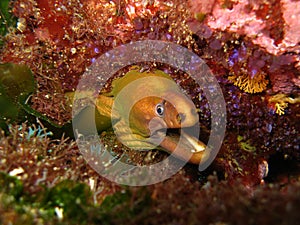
x: 273, y: 25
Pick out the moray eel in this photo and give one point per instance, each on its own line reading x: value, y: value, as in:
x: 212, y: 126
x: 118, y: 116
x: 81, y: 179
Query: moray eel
x: 148, y: 110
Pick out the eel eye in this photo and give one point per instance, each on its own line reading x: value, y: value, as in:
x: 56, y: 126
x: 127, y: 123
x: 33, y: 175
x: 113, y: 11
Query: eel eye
x: 159, y: 109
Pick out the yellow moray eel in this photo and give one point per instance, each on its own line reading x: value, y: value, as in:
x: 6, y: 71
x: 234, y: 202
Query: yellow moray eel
x: 142, y: 107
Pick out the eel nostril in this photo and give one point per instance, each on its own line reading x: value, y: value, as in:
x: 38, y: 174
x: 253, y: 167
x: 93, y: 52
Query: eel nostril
x: 181, y: 117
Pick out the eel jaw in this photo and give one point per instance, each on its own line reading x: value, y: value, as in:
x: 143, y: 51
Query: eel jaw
x: 184, y: 146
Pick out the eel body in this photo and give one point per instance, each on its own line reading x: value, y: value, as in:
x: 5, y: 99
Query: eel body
x: 148, y: 110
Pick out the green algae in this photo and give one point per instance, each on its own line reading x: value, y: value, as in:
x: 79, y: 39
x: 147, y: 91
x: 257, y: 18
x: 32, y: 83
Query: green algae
x: 6, y: 19
x: 68, y: 202
x: 17, y: 84
x: 246, y: 145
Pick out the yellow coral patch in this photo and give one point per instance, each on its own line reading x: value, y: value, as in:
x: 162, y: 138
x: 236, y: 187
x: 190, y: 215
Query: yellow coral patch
x: 249, y: 84
x: 281, y: 102
x: 280, y: 108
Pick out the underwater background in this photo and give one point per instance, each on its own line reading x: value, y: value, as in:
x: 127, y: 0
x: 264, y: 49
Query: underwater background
x: 253, y: 49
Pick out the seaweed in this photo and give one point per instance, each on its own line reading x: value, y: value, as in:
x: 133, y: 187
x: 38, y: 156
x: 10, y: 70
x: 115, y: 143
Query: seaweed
x: 68, y: 199
x: 6, y: 19
x: 68, y: 202
x: 17, y: 84
x: 11, y: 185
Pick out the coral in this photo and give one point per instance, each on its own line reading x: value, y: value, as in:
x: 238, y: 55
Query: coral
x: 273, y: 25
x: 280, y: 107
x: 258, y: 37
x: 282, y: 80
x: 246, y: 67
x: 280, y: 102
x: 249, y: 84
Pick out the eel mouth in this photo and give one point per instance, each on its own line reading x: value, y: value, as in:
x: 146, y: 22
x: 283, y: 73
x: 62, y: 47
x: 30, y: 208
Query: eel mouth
x: 182, y: 144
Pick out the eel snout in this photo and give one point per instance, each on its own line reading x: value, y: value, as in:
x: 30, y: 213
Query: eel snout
x: 180, y: 115
x: 181, y: 111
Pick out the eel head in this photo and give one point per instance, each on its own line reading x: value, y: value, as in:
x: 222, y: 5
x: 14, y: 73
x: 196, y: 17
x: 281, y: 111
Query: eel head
x: 162, y: 121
